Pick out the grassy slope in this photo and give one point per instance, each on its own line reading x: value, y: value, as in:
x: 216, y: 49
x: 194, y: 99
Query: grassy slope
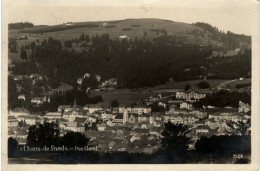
x: 137, y: 26
x: 128, y: 96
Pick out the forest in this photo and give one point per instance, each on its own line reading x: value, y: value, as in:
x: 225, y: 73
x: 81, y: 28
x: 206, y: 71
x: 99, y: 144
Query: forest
x: 21, y: 25
x: 135, y: 63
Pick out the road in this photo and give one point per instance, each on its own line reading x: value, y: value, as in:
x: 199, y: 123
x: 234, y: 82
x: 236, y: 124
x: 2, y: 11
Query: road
x: 222, y: 84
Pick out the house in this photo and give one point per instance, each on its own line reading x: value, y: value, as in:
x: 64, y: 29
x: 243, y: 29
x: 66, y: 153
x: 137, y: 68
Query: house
x: 12, y: 121
x: 30, y: 120
x: 75, y: 127
x: 124, y: 37
x: 143, y: 117
x: 197, y: 123
x: 135, y: 109
x: 154, y: 98
x: 162, y: 104
x: 133, y: 138
x: 118, y: 119
x: 21, y: 97
x: 199, y: 114
x: 63, y: 125
x: 36, y: 77
x: 141, y: 109
x: 92, y: 119
x: 193, y: 94
x: 111, y: 145
x: 133, y: 118
x: 202, y: 129
x: 82, y: 121
x: 62, y: 108
x: 186, y: 105
x: 19, y: 111
x: 22, y: 134
x: 11, y: 134
x: 39, y: 100
x: 102, y: 127
x: 53, y: 115
x: 243, y: 107
x: 79, y: 81
x: 106, y: 116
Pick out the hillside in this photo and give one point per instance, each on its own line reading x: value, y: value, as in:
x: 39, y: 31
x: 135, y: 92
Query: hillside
x: 134, y: 28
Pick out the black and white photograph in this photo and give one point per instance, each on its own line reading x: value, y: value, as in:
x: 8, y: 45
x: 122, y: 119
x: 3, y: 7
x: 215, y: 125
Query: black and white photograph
x: 144, y: 82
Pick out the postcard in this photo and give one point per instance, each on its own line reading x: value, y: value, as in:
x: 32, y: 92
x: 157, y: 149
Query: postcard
x: 130, y: 85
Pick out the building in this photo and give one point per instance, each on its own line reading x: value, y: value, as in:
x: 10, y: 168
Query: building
x: 125, y: 117
x: 202, y: 129
x: 39, y: 100
x: 135, y: 109
x: 21, y: 97
x: 18, y: 112
x: 107, y: 116
x: 12, y: 121
x: 102, y: 127
x: 243, y: 107
x: 118, y: 119
x: 75, y: 127
x: 30, y: 119
x: 193, y: 94
x: 133, y: 118
x: 144, y: 118
x: 63, y: 108
x: 53, y: 115
x: 186, y: 105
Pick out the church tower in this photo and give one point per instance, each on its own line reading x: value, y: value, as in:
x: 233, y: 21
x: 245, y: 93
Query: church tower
x: 125, y: 117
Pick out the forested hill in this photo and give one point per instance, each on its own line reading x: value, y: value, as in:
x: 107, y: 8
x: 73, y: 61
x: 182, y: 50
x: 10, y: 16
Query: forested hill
x: 198, y: 33
x: 137, y: 52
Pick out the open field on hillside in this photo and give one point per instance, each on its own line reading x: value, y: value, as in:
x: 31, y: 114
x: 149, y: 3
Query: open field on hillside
x: 181, y: 84
x: 129, y: 96
x: 232, y: 84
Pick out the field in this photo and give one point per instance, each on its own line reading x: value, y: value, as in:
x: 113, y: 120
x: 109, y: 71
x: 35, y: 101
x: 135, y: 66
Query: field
x: 231, y: 84
x: 125, y: 96
x: 148, y: 28
x: 181, y: 85
x: 129, y: 96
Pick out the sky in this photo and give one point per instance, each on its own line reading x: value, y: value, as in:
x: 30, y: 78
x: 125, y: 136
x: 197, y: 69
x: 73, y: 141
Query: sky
x: 235, y: 16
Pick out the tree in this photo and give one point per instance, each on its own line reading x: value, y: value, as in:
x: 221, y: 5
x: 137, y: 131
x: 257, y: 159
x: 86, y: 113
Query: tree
x: 217, y: 146
x: 23, y: 54
x: 203, y: 85
x: 89, y: 82
x: 45, y: 134
x: 187, y: 87
x: 12, y: 93
x: 157, y: 108
x: 114, y: 103
x: 12, y: 146
x: 72, y: 139
x: 175, y: 142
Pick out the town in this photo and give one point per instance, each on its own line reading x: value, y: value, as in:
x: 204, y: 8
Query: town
x: 134, y: 128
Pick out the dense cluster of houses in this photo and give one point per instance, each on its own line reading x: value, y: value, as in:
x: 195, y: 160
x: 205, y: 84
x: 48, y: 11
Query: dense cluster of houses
x: 132, y: 128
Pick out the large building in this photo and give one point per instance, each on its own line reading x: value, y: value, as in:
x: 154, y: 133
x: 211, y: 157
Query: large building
x: 135, y: 109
